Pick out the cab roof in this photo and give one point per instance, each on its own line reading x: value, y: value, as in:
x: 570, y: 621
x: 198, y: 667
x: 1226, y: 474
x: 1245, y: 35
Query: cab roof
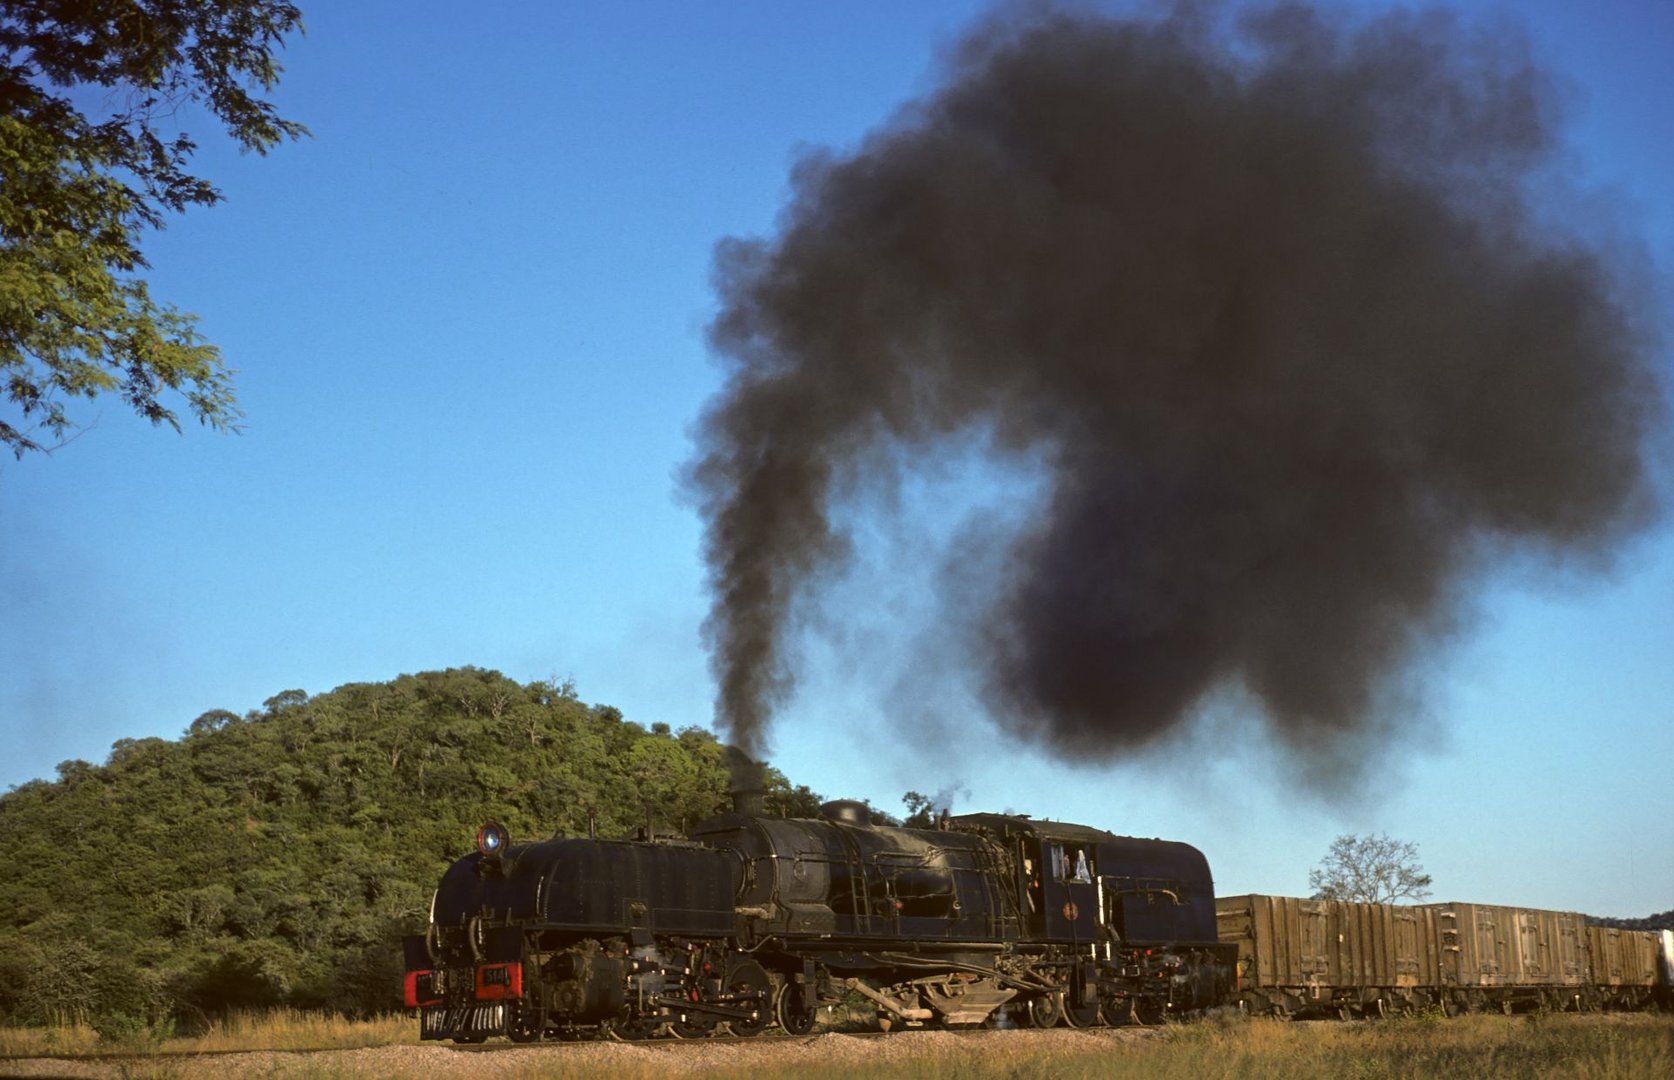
x: 1019, y: 825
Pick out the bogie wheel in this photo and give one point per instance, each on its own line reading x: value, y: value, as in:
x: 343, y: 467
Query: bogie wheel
x: 1046, y: 1011
x: 748, y: 980
x: 1118, y: 1012
x: 1083, y: 1016
x: 796, y: 1015
x: 527, y: 1024
x: 1152, y: 1012
x: 632, y: 1027
x: 692, y: 1025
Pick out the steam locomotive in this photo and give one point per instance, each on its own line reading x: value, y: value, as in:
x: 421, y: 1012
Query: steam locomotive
x: 752, y: 920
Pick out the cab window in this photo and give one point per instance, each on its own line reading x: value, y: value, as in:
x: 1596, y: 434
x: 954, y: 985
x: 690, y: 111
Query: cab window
x: 1071, y: 862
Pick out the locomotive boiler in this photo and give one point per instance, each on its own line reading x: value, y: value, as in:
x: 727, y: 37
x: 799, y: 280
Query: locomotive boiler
x: 752, y: 920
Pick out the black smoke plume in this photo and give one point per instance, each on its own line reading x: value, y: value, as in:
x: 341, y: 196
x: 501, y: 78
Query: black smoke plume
x: 1281, y: 300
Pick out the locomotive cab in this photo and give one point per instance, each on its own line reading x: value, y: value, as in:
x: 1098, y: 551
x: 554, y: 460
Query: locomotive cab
x: 1125, y: 926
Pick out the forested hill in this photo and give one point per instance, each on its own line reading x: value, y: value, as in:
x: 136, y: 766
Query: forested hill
x: 275, y: 858
x: 1661, y: 921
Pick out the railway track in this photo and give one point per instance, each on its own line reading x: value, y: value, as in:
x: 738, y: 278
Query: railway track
x: 673, y: 1044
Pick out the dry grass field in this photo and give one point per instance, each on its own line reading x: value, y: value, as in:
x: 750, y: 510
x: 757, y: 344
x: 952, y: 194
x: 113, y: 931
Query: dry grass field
x: 1536, y: 1045
x: 1589, y: 1047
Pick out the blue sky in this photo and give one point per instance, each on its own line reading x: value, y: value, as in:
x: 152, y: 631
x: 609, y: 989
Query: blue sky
x: 467, y: 317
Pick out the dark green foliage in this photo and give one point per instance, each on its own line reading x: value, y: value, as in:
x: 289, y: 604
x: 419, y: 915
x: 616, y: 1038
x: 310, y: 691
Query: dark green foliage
x: 90, y: 158
x: 276, y: 858
x: 783, y: 800
x: 1663, y: 920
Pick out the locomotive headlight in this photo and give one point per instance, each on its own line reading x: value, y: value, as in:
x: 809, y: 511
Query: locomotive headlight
x: 492, y: 840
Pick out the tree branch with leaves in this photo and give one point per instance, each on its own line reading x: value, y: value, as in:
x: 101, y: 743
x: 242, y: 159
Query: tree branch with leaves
x: 79, y: 187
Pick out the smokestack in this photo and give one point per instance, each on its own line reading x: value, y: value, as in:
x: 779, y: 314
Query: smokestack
x: 747, y: 802
x: 747, y: 784
x: 1265, y: 299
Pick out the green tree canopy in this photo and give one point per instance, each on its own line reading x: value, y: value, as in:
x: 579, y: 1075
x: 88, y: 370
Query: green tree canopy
x: 276, y: 857
x: 79, y: 186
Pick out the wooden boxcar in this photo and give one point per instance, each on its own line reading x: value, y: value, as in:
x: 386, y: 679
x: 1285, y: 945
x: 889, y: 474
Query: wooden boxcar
x: 1508, y: 957
x: 1331, y: 956
x: 1624, y: 966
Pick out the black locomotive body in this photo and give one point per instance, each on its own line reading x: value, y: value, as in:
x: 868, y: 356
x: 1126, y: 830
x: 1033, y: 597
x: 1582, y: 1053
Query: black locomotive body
x: 753, y: 920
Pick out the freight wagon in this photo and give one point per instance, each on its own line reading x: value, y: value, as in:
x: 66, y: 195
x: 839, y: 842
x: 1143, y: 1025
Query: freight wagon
x: 1334, y: 957
x: 1630, y: 968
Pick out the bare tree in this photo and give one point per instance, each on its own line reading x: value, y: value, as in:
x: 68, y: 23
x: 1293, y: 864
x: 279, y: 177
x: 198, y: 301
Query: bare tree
x: 1370, y: 869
